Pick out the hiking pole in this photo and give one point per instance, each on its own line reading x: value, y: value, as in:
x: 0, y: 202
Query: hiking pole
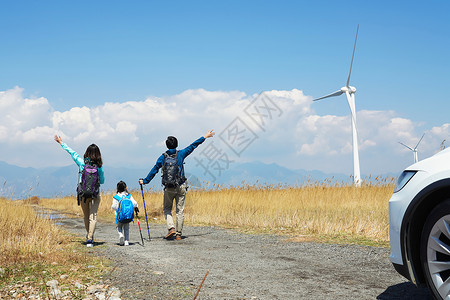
x: 139, y: 225
x: 146, y: 219
x: 198, y: 291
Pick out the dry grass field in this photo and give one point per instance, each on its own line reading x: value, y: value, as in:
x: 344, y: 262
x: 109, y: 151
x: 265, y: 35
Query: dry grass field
x: 313, y: 212
x: 34, y: 250
x: 24, y: 236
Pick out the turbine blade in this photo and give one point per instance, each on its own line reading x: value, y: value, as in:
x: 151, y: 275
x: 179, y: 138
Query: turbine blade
x: 419, y: 141
x: 406, y: 146
x: 337, y: 93
x: 353, y: 55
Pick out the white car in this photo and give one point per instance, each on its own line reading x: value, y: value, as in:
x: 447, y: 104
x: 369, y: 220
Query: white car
x: 419, y: 224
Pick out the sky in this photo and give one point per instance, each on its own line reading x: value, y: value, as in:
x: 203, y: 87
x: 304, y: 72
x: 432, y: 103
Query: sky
x: 125, y: 75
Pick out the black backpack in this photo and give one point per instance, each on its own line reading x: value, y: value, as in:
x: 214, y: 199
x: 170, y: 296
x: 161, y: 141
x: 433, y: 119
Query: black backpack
x: 171, y: 173
x: 89, y: 185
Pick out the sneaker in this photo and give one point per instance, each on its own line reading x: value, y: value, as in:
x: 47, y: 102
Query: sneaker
x: 121, y: 243
x: 171, y: 233
x: 89, y: 243
x: 126, y: 243
x: 178, y: 237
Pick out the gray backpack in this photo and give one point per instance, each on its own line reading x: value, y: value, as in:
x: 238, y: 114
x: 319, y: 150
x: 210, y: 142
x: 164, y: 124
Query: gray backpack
x: 171, y: 172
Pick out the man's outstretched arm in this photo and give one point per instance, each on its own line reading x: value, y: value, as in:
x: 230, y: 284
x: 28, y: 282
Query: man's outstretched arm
x: 188, y: 150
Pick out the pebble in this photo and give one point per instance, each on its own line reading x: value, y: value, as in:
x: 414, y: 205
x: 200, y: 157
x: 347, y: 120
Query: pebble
x: 95, y: 288
x: 114, y: 293
x: 79, y: 285
x: 54, y: 290
x: 52, y: 283
x: 31, y: 290
x: 158, y: 272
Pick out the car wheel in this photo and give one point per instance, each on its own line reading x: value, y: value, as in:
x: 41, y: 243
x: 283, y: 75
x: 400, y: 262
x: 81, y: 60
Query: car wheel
x: 435, y: 250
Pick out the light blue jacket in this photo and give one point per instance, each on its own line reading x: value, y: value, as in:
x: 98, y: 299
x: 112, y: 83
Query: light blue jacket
x: 80, y: 162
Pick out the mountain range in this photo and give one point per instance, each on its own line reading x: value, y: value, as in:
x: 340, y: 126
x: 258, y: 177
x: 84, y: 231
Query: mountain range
x: 20, y: 183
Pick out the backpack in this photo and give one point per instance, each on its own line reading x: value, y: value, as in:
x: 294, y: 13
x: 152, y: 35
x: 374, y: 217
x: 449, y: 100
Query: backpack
x: 171, y: 173
x: 89, y: 185
x: 125, y: 212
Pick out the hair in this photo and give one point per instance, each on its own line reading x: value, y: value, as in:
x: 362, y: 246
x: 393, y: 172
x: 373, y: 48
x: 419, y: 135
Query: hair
x: 171, y: 142
x: 121, y: 187
x: 94, y: 155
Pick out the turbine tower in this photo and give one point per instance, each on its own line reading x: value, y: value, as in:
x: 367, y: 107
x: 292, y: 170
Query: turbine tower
x: 350, y: 91
x: 416, y: 157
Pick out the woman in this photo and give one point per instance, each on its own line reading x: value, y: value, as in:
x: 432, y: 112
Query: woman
x: 90, y: 205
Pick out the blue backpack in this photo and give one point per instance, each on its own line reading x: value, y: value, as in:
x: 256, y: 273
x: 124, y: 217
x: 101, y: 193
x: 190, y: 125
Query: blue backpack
x: 125, y: 212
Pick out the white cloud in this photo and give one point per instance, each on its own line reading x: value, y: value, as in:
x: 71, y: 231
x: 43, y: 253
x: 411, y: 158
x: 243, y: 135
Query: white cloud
x: 324, y: 135
x: 20, y: 115
x: 11, y: 98
x: 37, y: 134
x: 133, y: 132
x: 74, y: 122
x: 443, y: 130
x: 3, y: 133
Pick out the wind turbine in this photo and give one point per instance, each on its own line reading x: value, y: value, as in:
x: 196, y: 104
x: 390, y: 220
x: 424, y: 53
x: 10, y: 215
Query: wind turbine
x: 350, y: 91
x: 416, y: 157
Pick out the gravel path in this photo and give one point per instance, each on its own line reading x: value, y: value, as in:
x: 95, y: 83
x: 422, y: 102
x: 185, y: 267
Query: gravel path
x: 244, y: 266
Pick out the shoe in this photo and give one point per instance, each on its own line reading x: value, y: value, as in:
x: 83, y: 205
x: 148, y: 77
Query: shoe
x: 178, y: 237
x: 127, y: 243
x: 171, y: 233
x: 121, y: 243
x: 89, y: 243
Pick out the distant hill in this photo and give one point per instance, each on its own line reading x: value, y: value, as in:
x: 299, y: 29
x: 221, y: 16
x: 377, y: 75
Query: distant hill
x: 266, y: 174
x: 18, y: 183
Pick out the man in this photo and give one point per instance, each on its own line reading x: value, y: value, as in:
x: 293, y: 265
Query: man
x: 174, y: 181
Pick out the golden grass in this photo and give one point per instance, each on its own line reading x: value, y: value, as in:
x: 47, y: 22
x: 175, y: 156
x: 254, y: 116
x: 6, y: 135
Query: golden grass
x: 314, y: 211
x: 153, y: 204
x: 23, y: 235
x: 35, y: 250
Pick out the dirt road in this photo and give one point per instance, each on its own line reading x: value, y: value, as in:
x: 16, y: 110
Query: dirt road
x: 243, y: 266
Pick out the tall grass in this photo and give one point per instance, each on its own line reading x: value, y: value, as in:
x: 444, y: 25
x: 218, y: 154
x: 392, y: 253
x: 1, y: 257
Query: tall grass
x: 314, y: 211
x: 24, y: 236
x: 33, y: 250
x: 69, y: 204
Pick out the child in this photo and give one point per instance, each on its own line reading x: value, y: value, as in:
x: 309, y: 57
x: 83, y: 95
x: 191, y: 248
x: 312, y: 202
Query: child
x: 123, y: 228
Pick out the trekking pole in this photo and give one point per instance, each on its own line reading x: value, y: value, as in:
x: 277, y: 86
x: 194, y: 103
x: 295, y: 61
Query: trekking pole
x: 198, y: 291
x: 139, y: 225
x: 146, y: 219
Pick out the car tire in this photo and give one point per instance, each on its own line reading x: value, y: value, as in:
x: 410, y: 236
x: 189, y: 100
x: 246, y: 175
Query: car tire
x: 435, y: 250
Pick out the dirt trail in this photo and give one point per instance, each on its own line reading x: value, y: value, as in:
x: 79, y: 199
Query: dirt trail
x: 243, y: 266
